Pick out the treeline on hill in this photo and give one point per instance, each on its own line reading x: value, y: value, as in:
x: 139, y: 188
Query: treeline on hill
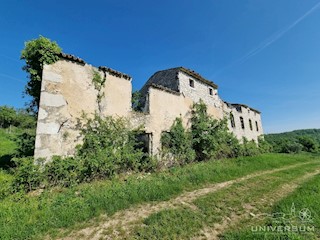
x: 307, y: 140
x: 111, y: 148
x: 17, y: 128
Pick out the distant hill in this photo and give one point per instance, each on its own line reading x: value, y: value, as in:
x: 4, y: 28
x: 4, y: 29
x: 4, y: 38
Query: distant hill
x: 314, y: 133
x: 283, y: 142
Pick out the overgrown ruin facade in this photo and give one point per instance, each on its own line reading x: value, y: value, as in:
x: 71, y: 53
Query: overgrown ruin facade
x: 68, y: 91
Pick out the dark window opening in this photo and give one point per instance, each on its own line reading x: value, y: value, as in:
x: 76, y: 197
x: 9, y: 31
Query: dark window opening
x: 238, y: 108
x: 191, y: 83
x: 257, y: 127
x: 250, y: 124
x: 233, y: 124
x: 144, y: 142
x: 211, y: 91
x: 242, y: 122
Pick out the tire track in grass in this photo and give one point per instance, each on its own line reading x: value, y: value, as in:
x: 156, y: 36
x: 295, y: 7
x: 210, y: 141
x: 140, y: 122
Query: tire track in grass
x: 126, y: 218
x: 215, y: 232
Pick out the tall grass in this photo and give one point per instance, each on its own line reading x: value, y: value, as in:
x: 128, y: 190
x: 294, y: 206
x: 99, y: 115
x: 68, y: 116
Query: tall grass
x: 213, y: 207
x: 29, y: 217
x: 7, y: 145
x: 307, y: 196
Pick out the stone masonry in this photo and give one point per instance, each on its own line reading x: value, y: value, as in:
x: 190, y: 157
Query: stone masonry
x: 68, y: 92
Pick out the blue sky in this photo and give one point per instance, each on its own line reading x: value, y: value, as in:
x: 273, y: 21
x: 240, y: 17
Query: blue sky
x: 263, y: 53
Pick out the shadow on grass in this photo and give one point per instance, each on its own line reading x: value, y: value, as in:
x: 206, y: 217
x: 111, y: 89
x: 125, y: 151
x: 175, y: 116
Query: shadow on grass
x: 6, y: 161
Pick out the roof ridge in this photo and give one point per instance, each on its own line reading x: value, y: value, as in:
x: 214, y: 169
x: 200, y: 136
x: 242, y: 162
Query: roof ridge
x: 114, y: 72
x: 196, y: 75
x: 71, y: 57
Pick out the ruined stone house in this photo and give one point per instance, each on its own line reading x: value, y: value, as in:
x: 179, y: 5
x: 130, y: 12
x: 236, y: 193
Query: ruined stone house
x: 68, y: 91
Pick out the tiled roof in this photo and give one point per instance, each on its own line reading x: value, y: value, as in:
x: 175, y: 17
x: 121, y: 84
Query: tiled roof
x: 114, y: 72
x: 71, y: 58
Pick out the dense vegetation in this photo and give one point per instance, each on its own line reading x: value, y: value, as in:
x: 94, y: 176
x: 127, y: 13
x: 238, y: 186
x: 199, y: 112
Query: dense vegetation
x: 17, y: 134
x: 25, y: 216
x: 36, y: 53
x: 109, y: 148
x: 207, y: 138
x: 307, y: 140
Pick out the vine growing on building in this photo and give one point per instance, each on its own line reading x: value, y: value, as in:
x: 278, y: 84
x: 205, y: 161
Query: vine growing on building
x: 98, y: 83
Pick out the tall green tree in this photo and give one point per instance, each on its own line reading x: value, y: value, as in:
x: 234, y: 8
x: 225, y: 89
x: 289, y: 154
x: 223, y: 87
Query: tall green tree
x: 7, y: 116
x: 16, y: 117
x: 178, y: 142
x: 210, y: 137
x: 36, y: 53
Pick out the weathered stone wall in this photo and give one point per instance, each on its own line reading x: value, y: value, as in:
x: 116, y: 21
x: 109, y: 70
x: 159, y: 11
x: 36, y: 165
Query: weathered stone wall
x: 247, y: 114
x: 67, y: 92
x: 201, y: 91
x: 164, y: 108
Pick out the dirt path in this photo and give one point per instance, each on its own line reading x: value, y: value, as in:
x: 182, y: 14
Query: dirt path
x: 126, y: 218
x: 214, y: 232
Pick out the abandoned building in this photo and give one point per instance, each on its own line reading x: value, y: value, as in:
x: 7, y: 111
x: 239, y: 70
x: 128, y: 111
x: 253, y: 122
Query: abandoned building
x: 68, y: 91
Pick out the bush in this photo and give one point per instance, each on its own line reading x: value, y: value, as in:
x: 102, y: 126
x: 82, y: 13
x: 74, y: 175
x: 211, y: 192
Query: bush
x: 211, y: 137
x: 207, y: 138
x: 249, y: 148
x: 177, y: 144
x: 148, y: 164
x: 264, y: 146
x: 28, y: 175
x: 308, y: 144
x: 109, y: 147
x: 64, y: 171
x: 291, y: 147
x: 228, y: 148
x: 25, y: 141
x: 6, y: 181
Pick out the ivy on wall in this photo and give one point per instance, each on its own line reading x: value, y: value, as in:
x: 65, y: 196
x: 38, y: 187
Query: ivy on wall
x: 99, y: 83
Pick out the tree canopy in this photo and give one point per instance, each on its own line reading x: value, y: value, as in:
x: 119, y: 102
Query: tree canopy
x: 299, y: 140
x: 36, y: 53
x: 16, y: 117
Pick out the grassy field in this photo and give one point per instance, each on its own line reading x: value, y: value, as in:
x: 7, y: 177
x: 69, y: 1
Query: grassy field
x: 306, y: 198
x: 7, y: 147
x: 34, y: 215
x: 221, y: 210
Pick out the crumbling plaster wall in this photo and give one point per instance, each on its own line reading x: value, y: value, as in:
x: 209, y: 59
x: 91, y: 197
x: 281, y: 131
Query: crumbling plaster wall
x: 67, y: 91
x: 247, y: 114
x: 164, y: 108
x: 201, y: 91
